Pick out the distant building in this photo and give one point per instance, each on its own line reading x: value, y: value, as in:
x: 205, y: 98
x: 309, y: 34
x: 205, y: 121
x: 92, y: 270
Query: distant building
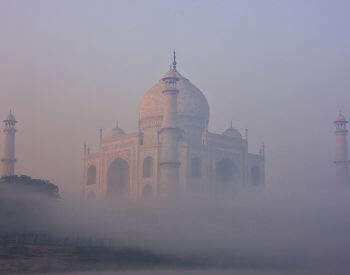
x: 341, y: 150
x: 8, y: 159
x: 173, y: 151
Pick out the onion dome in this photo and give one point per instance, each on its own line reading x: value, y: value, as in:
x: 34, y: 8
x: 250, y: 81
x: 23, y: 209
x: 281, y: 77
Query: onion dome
x: 232, y: 132
x: 191, y: 103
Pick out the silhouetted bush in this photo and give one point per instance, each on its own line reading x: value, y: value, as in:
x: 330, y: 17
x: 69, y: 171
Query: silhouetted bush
x: 26, y: 204
x: 26, y: 183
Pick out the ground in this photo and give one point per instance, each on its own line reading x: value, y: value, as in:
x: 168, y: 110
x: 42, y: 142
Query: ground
x: 39, y: 258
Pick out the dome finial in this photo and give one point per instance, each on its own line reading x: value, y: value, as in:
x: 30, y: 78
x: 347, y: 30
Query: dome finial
x: 174, y: 61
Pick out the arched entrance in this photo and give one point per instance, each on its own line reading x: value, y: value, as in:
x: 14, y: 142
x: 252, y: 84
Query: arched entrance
x: 118, y: 179
x: 227, y: 172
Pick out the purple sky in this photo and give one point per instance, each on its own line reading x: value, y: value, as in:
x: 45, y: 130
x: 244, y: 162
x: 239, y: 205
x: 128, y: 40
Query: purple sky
x: 278, y: 68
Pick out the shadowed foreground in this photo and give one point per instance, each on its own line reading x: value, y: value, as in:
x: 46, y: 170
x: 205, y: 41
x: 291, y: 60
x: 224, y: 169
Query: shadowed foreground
x: 272, y: 230
x: 40, y: 258
x: 50, y: 258
x: 107, y: 260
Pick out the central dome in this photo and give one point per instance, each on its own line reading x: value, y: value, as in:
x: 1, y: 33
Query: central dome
x: 191, y: 103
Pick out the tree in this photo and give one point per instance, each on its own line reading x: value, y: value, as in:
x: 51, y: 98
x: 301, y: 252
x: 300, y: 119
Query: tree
x: 26, y: 204
x: 26, y: 183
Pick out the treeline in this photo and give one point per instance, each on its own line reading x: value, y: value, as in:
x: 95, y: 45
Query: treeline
x: 26, y: 183
x: 48, y: 239
x: 27, y: 204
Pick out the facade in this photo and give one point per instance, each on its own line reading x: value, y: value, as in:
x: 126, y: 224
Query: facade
x: 8, y: 157
x: 341, y: 151
x: 172, y: 151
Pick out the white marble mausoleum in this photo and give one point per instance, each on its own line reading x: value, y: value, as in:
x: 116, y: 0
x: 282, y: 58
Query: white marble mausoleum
x: 172, y: 151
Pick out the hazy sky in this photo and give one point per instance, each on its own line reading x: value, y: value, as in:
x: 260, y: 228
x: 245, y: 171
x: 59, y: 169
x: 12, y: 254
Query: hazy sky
x: 278, y: 68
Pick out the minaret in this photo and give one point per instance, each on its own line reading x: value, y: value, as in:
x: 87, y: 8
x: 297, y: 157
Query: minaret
x: 169, y: 134
x: 8, y: 158
x: 341, y: 151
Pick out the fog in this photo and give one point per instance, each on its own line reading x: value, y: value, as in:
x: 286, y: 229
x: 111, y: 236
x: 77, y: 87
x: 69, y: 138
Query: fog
x: 278, y: 229
x: 278, y: 68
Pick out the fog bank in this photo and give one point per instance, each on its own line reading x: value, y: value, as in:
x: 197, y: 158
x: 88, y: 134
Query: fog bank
x: 251, y: 228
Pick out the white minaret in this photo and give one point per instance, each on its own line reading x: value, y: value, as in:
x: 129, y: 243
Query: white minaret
x: 8, y: 158
x: 169, y: 134
x: 341, y: 151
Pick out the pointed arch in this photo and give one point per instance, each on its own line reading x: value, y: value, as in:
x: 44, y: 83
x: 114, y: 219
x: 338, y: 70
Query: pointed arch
x: 118, y: 178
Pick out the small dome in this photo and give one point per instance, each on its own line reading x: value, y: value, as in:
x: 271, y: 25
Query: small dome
x: 10, y: 117
x: 232, y: 132
x: 116, y: 132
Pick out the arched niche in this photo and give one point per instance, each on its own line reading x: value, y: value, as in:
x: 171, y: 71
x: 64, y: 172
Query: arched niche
x: 147, y: 167
x: 118, y: 178
x: 91, y: 175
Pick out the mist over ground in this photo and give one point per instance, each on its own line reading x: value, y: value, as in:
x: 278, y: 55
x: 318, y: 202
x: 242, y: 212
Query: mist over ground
x: 286, y: 228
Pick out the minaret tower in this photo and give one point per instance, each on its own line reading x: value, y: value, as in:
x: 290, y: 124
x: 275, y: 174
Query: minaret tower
x: 341, y: 150
x: 169, y: 135
x: 8, y: 158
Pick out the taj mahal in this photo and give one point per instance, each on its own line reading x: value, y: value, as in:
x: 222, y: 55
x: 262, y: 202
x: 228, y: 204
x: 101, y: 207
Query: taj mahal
x: 173, y: 151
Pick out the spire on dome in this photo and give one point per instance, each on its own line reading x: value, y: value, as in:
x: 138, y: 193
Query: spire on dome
x: 172, y: 76
x: 174, y: 61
